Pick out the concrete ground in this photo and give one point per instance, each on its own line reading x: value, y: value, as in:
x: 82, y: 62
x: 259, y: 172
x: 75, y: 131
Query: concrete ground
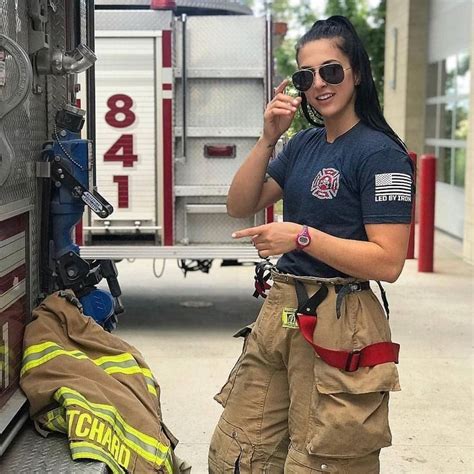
x: 184, y: 328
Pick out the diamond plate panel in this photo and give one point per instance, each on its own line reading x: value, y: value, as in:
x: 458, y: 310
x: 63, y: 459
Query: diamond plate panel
x: 225, y: 93
x: 83, y: 21
x: 10, y: 15
x: 221, y: 42
x: 33, y: 454
x: 222, y: 103
x: 26, y: 130
x: 131, y: 20
x: 56, y: 85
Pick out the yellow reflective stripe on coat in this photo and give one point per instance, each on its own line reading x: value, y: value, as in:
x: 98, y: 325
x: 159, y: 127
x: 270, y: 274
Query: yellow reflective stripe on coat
x: 55, y: 425
x: 150, y: 384
x: 124, y: 356
x: 123, y: 363
x: 86, y: 450
x: 122, y: 360
x: 144, y: 445
x: 39, y: 354
x: 38, y: 348
x: 55, y: 420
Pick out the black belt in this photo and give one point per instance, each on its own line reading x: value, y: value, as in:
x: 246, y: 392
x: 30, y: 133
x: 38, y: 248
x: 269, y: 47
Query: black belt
x: 343, y: 290
x: 353, y: 287
x: 263, y: 274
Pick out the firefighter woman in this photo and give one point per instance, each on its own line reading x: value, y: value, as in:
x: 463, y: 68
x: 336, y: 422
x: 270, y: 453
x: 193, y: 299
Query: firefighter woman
x: 310, y: 391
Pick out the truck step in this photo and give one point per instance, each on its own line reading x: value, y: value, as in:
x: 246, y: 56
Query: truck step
x: 31, y: 453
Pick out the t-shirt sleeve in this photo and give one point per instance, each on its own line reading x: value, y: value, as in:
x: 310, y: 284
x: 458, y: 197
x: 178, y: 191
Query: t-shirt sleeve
x: 281, y: 166
x: 277, y: 166
x: 386, y: 187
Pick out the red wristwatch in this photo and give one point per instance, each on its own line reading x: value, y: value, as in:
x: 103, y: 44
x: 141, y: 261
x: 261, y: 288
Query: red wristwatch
x: 303, y: 239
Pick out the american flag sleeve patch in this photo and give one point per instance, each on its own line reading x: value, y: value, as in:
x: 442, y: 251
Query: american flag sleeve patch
x: 393, y: 187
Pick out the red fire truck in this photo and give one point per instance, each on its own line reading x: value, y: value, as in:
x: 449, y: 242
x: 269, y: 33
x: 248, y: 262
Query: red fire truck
x: 179, y: 103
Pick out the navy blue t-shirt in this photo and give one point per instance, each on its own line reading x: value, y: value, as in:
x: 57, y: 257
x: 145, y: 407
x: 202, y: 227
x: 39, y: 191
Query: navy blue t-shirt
x: 363, y: 177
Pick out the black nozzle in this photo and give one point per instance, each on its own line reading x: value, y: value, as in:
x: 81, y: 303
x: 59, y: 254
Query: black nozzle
x: 70, y: 118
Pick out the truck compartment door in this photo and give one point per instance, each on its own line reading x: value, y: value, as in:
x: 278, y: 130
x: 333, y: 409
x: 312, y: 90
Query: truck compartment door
x: 225, y: 97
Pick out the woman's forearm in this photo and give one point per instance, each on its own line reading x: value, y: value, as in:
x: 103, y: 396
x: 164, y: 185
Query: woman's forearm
x: 361, y: 259
x: 380, y: 258
x: 246, y: 188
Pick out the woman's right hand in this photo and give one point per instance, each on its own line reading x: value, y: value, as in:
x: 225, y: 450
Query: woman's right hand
x: 279, y: 113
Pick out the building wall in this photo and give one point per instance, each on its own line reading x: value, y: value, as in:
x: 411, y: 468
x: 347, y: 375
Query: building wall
x: 405, y: 69
x: 447, y: 103
x: 468, y: 243
x: 447, y: 16
x: 420, y: 32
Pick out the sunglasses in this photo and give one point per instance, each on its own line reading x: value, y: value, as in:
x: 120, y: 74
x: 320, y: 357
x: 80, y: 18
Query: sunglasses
x: 330, y: 73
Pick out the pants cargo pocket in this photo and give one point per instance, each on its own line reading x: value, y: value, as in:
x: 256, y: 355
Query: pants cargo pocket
x: 349, y: 417
x: 230, y: 450
x: 349, y: 410
x: 301, y: 463
x: 225, y: 391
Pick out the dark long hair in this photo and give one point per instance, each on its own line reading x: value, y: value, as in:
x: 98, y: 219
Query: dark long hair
x: 367, y: 105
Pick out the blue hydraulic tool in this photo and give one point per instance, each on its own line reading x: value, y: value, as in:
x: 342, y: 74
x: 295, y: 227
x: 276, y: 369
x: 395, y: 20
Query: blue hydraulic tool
x: 66, y: 194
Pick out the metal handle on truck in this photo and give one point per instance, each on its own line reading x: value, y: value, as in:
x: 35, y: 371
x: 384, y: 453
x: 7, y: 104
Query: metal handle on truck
x: 184, y: 85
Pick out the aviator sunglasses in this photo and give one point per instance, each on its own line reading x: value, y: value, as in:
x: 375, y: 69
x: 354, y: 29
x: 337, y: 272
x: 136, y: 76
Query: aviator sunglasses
x: 331, y: 73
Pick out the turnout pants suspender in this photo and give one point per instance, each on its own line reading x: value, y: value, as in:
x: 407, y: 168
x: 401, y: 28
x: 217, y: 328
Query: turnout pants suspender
x: 373, y: 354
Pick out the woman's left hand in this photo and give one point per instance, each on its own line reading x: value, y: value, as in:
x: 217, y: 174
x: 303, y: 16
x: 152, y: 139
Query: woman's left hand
x: 272, y: 239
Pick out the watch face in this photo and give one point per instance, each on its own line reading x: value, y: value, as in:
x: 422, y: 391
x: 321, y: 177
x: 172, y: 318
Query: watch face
x: 303, y: 240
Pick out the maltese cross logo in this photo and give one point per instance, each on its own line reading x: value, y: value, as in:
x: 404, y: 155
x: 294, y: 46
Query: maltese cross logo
x: 326, y: 184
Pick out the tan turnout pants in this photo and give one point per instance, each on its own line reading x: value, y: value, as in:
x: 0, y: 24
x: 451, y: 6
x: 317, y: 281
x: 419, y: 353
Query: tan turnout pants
x: 286, y: 411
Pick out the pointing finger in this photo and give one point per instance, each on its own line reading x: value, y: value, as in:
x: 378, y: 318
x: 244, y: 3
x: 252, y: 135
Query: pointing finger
x: 250, y: 232
x: 281, y: 86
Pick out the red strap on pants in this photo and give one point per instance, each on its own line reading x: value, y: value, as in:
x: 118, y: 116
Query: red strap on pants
x: 375, y: 354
